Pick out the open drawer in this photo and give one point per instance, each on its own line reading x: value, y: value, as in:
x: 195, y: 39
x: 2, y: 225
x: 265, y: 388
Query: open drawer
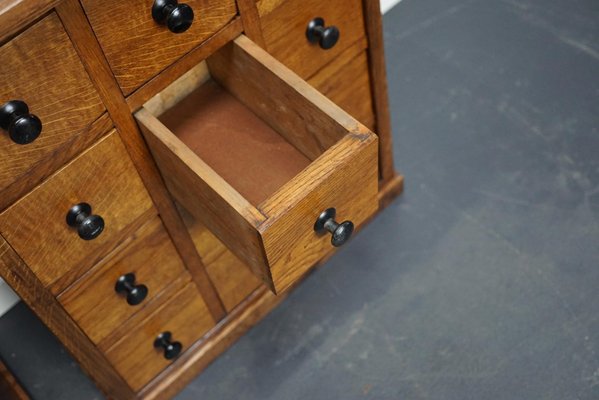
x: 258, y: 155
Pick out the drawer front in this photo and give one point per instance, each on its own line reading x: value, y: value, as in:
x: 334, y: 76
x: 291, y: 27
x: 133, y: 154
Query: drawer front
x: 185, y: 316
x: 93, y: 300
x: 284, y: 30
x: 41, y: 68
x: 272, y: 231
x: 137, y: 47
x: 36, y: 226
x: 344, y: 178
x: 346, y: 81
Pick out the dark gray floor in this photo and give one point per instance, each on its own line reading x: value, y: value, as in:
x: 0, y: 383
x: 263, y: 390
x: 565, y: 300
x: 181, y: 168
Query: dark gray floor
x: 482, y: 280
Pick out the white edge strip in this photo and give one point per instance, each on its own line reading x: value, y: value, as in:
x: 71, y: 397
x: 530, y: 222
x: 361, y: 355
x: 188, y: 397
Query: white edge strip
x: 386, y: 5
x: 8, y: 298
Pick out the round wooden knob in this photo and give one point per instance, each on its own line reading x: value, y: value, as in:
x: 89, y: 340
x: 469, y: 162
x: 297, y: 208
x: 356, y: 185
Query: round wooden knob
x: 177, y: 17
x: 341, y: 232
x: 135, y: 293
x: 326, y: 37
x: 171, y: 349
x: 88, y: 226
x: 22, y: 127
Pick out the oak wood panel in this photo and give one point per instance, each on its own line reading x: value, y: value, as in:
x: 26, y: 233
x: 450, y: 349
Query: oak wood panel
x: 378, y: 74
x: 184, y: 65
x: 78, y: 28
x: 93, y: 302
x: 47, y: 166
x: 252, y: 26
x: 346, y: 81
x: 204, y: 193
x: 17, y: 14
x: 57, y: 90
x: 20, y: 278
x: 230, y: 275
x: 137, y: 48
x: 266, y: 6
x: 284, y: 30
x: 184, y: 315
x: 178, y: 90
x: 36, y: 227
x: 390, y: 190
x: 278, y: 96
x: 345, y: 177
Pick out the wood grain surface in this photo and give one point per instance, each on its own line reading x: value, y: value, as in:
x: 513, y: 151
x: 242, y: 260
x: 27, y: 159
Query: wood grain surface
x: 36, y: 225
x: 252, y: 25
x: 138, y: 48
x: 278, y: 96
x: 78, y: 28
x: 232, y: 278
x: 18, y: 275
x: 93, y: 302
x: 346, y: 81
x: 346, y: 178
x: 284, y: 31
x: 185, y: 315
x: 205, y: 194
x: 15, y: 15
x: 41, y: 68
x: 182, y: 66
x: 378, y: 76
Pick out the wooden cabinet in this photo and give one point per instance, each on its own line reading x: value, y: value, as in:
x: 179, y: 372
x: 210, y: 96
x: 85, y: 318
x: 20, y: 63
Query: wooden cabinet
x: 189, y: 170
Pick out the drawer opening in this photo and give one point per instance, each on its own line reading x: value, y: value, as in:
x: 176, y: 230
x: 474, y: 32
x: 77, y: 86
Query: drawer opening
x: 239, y: 146
x: 256, y: 154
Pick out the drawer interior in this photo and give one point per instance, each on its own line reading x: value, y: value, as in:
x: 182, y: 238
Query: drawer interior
x: 246, y: 146
x: 242, y: 150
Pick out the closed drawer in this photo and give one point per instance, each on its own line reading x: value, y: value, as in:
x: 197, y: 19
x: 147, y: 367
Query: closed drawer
x: 346, y: 81
x: 137, y: 47
x: 284, y: 31
x: 36, y: 226
x: 185, y: 317
x: 41, y: 68
x: 256, y: 155
x: 141, y: 271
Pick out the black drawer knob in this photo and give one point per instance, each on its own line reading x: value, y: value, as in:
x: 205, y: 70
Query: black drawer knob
x: 177, y: 17
x: 22, y: 127
x: 326, y: 37
x: 88, y: 226
x: 135, y: 293
x: 340, y: 232
x: 171, y: 349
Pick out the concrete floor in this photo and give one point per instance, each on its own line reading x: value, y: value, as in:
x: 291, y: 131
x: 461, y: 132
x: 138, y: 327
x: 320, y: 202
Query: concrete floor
x: 482, y: 280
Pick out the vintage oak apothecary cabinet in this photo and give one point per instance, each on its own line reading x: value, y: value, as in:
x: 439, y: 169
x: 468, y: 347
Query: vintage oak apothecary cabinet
x: 170, y: 170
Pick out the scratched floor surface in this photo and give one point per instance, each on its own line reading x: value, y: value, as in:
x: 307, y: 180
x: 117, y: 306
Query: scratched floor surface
x: 482, y: 281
